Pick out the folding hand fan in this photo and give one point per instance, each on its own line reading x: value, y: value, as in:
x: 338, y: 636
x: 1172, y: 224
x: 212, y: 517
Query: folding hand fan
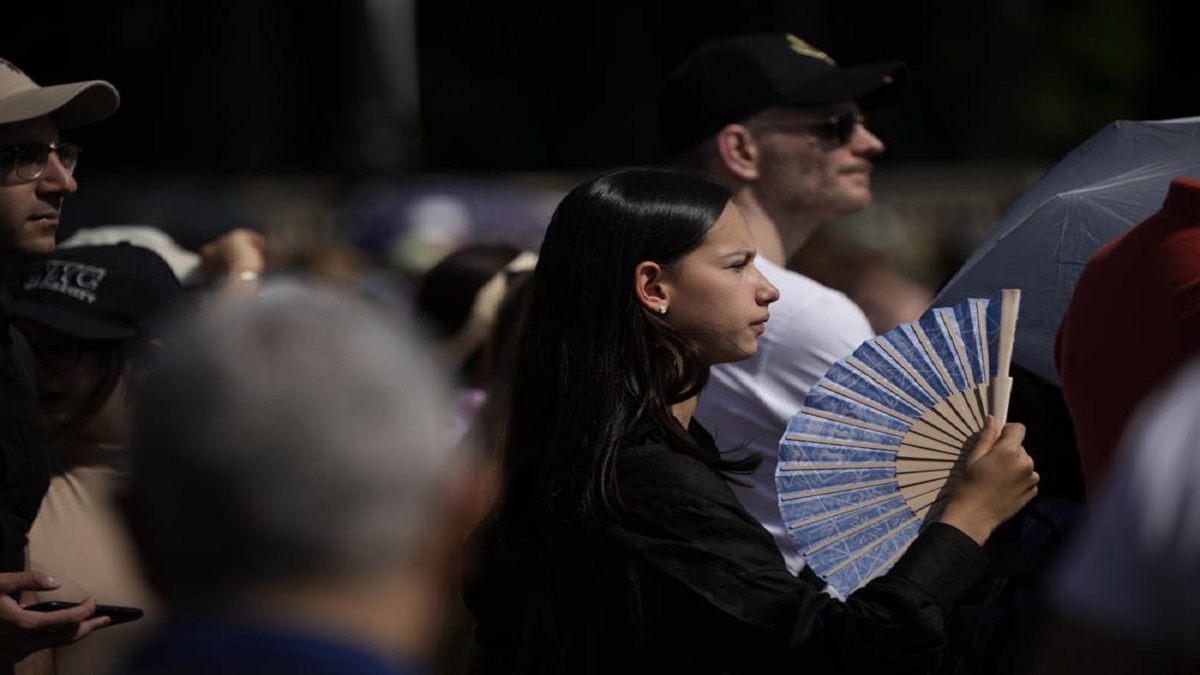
x: 870, y: 457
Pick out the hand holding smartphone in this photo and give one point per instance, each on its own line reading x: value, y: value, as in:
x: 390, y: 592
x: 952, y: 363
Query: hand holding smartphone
x: 116, y: 613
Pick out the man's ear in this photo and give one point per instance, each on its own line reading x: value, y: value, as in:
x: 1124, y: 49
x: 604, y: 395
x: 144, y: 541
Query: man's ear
x: 738, y: 151
x: 652, y: 287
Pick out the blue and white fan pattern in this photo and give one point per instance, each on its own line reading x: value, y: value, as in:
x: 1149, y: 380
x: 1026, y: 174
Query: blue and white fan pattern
x: 869, y: 458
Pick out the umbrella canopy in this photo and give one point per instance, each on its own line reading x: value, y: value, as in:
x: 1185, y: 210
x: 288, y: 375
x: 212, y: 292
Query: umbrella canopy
x: 1111, y: 182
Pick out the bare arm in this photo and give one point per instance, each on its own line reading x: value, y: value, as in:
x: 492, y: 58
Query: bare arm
x: 234, y: 262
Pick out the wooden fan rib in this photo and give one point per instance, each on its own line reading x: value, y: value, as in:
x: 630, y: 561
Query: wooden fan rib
x: 944, y: 411
x: 926, y: 429
x: 1010, y: 300
x: 914, y: 446
x: 881, y: 381
x: 963, y: 405
x: 909, y: 466
x: 967, y: 364
x: 917, y: 490
x: 950, y: 330
x: 846, y: 534
x: 849, y: 421
x: 979, y: 309
x: 863, y: 400
x: 923, y: 500
x: 813, y: 520
x: 867, y: 549
x: 896, y: 356
x: 956, y: 419
x: 840, y: 442
x: 887, y: 565
x: 800, y: 467
x: 932, y: 508
x: 835, y: 488
x: 916, y: 477
x: 931, y: 354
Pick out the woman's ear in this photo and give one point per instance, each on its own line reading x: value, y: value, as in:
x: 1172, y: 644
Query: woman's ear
x: 652, y: 287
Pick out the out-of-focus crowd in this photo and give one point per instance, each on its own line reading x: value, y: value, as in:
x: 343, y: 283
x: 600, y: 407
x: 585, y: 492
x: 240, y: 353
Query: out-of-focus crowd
x: 464, y: 430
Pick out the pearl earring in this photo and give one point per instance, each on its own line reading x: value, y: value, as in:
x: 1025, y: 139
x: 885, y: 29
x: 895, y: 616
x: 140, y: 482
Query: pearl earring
x: 662, y: 310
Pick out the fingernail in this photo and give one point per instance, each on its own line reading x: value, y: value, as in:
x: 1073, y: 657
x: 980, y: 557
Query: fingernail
x: 52, y: 580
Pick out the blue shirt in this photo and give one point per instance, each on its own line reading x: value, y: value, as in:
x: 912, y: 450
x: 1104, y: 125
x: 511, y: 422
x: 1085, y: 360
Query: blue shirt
x: 208, y: 646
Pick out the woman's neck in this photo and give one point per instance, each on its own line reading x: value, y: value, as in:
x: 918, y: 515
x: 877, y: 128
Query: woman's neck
x: 684, y: 410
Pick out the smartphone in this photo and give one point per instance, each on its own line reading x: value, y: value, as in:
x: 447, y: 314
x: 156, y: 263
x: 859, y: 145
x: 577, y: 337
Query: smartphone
x: 117, y: 613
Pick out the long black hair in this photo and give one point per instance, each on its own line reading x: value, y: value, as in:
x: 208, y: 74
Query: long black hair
x: 593, y: 362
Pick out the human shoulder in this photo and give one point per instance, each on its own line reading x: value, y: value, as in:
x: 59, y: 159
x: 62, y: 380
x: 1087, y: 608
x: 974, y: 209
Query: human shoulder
x: 652, y: 473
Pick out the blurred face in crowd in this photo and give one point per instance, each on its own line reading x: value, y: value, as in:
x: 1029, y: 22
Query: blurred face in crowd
x: 30, y: 208
x: 806, y: 169
x: 718, y: 294
x: 81, y: 386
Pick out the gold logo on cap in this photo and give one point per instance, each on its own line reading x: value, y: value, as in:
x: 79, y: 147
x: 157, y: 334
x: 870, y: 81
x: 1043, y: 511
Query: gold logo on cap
x: 801, y: 47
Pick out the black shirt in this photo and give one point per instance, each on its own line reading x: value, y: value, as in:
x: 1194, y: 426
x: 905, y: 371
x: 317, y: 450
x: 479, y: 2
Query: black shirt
x: 686, y: 581
x: 24, y: 462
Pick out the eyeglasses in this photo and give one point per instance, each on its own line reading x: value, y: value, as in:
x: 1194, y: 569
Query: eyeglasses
x: 838, y: 127
x: 27, y: 161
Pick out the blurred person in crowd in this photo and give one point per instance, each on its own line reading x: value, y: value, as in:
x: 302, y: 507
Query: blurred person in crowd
x: 36, y: 176
x: 411, y: 225
x: 618, y: 545
x: 229, y: 267
x: 780, y: 124
x: 1133, y: 319
x: 91, y: 315
x: 501, y: 355
x: 458, y: 298
x: 457, y: 652
x: 184, y: 264
x: 887, y: 296
x: 1128, y: 593
x: 293, y: 496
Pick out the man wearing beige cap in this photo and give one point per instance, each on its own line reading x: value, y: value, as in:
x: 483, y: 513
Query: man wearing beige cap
x: 36, y: 168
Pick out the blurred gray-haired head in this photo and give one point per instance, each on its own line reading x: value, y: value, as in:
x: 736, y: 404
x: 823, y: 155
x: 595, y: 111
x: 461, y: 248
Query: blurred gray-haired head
x: 297, y: 439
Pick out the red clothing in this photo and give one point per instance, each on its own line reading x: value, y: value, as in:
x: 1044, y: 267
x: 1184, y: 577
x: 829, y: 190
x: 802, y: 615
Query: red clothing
x: 1133, y: 320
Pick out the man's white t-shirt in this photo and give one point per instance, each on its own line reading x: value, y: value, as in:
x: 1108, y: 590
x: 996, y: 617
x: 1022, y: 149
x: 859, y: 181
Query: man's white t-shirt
x: 747, y: 405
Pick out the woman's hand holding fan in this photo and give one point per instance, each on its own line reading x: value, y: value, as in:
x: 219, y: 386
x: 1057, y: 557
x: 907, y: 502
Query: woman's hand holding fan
x: 996, y: 481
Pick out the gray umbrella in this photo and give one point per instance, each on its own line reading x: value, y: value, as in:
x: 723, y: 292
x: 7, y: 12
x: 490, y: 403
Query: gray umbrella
x: 1111, y: 182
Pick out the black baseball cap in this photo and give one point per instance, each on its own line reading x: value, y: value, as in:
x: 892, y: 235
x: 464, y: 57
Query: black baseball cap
x: 730, y: 80
x: 104, y: 292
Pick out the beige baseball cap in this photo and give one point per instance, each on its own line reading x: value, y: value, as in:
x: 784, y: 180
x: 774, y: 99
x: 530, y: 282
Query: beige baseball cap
x: 68, y: 105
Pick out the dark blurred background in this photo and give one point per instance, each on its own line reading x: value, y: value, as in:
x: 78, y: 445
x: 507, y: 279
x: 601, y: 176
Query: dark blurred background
x: 325, y: 95
x: 266, y: 85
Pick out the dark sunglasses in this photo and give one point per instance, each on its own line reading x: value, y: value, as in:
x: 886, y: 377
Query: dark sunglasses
x: 837, y: 128
x: 27, y: 161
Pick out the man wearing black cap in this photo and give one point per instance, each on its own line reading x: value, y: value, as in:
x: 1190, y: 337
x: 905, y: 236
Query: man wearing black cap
x: 36, y: 168
x: 780, y: 124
